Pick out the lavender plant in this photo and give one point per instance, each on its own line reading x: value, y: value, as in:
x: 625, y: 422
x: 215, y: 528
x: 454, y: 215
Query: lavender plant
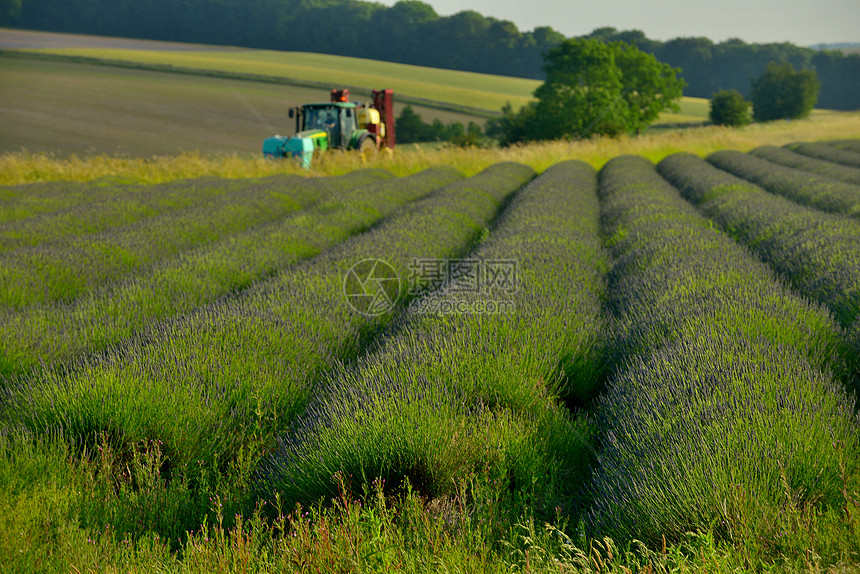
x: 108, y: 206
x: 722, y: 412
x: 818, y: 253
x: 53, y: 334
x: 846, y: 155
x: 818, y: 191
x: 847, y: 145
x: 454, y: 389
x: 789, y: 158
x: 234, y: 372
x: 67, y: 267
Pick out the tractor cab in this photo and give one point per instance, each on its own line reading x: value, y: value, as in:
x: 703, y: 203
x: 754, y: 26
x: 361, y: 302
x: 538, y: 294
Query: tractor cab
x: 336, y: 119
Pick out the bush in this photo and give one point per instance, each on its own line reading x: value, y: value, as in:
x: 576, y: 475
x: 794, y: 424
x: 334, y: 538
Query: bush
x: 729, y: 108
x: 782, y: 93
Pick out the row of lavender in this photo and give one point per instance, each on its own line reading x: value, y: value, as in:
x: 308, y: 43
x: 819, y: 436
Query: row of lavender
x: 818, y: 253
x: 238, y: 371
x: 723, y: 403
x: 34, y: 214
x: 454, y: 390
x: 72, y: 251
x: 726, y: 392
x: 109, y: 313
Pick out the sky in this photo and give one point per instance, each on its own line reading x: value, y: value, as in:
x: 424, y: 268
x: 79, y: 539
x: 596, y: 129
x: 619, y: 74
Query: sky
x: 801, y: 22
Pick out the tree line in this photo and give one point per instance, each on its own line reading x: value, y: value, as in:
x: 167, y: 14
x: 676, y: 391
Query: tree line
x: 412, y: 32
x: 708, y: 67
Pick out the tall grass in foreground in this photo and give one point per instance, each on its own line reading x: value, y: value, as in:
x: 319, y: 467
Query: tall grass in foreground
x: 818, y: 253
x: 63, y: 514
x: 454, y: 388
x: 789, y: 158
x: 18, y: 168
x: 722, y: 414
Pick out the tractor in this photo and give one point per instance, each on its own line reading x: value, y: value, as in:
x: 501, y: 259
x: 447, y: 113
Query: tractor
x: 338, y: 124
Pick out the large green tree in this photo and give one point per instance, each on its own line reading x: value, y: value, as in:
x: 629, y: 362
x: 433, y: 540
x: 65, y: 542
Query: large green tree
x: 594, y: 88
x: 783, y: 93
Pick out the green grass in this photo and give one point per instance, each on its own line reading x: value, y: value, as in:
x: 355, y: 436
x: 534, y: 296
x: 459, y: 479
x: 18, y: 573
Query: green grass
x: 484, y: 92
x: 468, y: 89
x: 693, y: 110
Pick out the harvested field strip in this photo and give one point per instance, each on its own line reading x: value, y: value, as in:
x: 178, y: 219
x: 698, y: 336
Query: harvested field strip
x: 818, y: 253
x: 721, y: 400
x: 203, y: 385
x: 106, y: 316
x: 849, y: 156
x: 64, y: 269
x: 816, y: 191
x: 446, y: 393
x: 789, y: 158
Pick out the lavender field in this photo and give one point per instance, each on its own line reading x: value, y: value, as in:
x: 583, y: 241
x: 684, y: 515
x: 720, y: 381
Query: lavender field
x: 638, y: 368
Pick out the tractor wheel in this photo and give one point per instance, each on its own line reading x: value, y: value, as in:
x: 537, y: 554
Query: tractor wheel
x: 367, y: 146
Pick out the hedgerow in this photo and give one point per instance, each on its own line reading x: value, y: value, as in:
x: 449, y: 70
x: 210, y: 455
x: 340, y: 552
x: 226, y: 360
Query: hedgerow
x: 721, y: 413
x: 817, y: 191
x: 453, y: 390
x: 789, y: 158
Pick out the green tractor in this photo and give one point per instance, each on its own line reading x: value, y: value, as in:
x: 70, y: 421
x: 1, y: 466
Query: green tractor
x: 338, y: 124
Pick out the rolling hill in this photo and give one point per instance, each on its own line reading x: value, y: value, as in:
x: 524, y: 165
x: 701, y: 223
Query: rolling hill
x: 135, y: 97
